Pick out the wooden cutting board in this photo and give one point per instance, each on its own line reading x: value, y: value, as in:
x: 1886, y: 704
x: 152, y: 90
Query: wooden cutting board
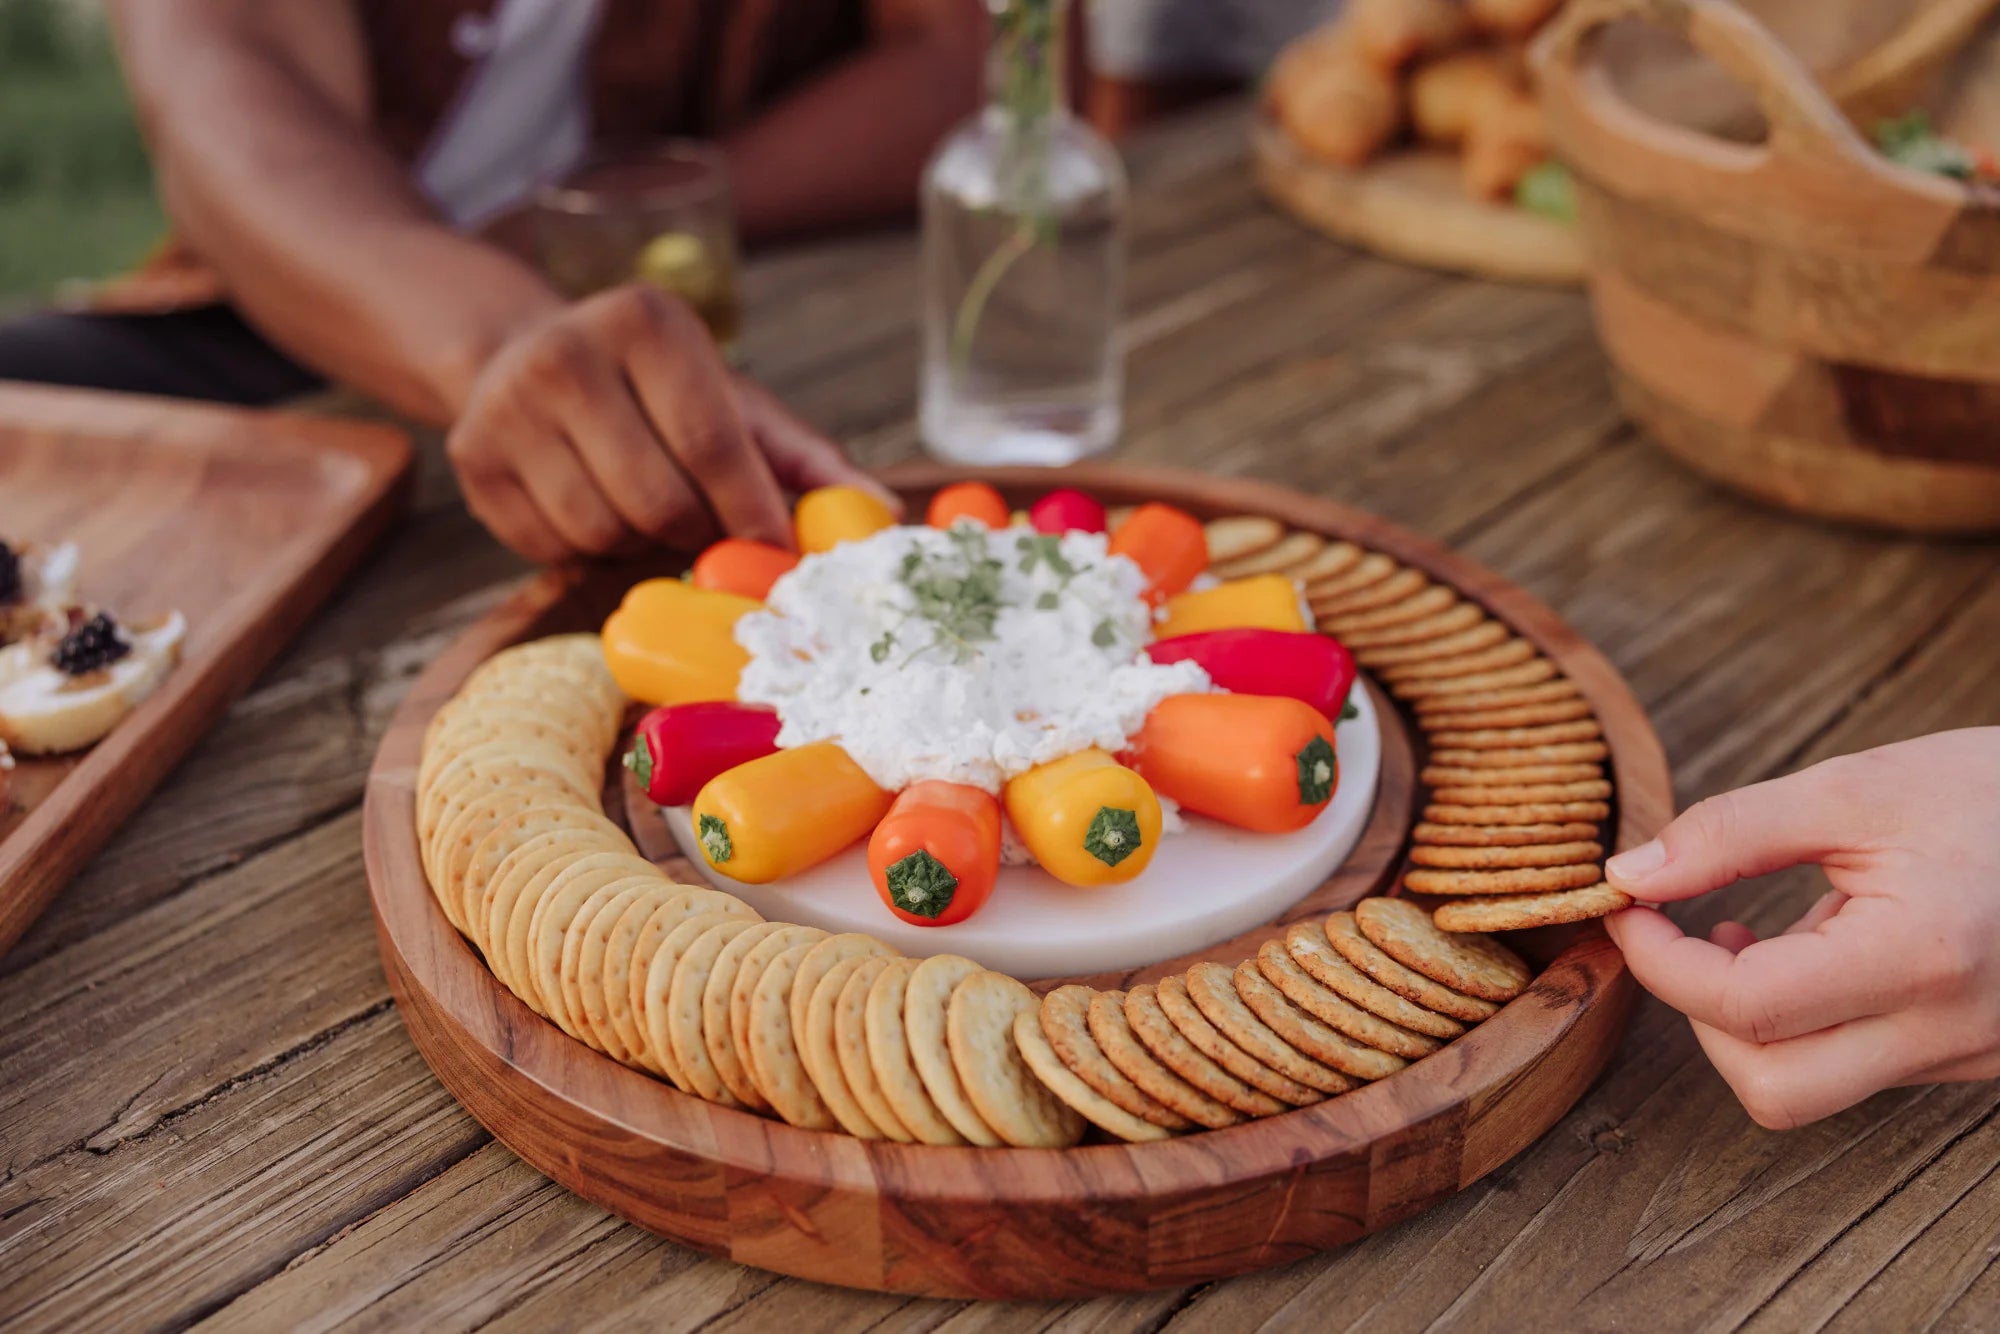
x: 243, y: 521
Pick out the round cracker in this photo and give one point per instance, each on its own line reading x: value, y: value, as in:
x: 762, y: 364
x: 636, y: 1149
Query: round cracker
x: 979, y: 1029
x: 1505, y: 858
x: 1547, y: 692
x: 1482, y: 634
x: 1329, y: 562
x: 1427, y: 603
x: 604, y: 958
x: 558, y: 906
x: 1171, y: 993
x: 553, y: 790
x: 522, y: 876
x: 1311, y: 949
x: 1443, y: 775
x: 1371, y: 569
x: 1411, y: 985
x: 1239, y: 536
x: 850, y: 1045
x: 674, y: 1023
x: 1517, y: 738
x: 480, y: 883
x: 1579, y: 752
x: 846, y: 945
x: 1065, y: 1023
x: 650, y: 980
x: 1112, y: 1032
x: 1212, y: 988
x: 1521, y: 911
x: 1294, y: 548
x: 1170, y: 1047
x: 1284, y: 970
x: 1517, y: 880
x: 894, y: 1064
x: 926, y: 1000
x: 650, y: 935
x: 772, y: 1051
x: 462, y: 838
x: 718, y: 1033
x: 1516, y: 715
x: 1548, y: 812
x: 488, y: 766
x: 1469, y: 964
x: 1396, y: 588
x: 608, y: 902
x: 736, y: 1005
x: 1456, y: 619
x: 1304, y: 1031
x: 1509, y: 654
x: 1522, y: 794
x: 1504, y: 836
x: 1048, y: 1068
x: 1528, y: 673
x: 819, y: 1046
x: 489, y: 724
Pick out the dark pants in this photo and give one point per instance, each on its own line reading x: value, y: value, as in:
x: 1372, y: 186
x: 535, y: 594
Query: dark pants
x: 207, y: 353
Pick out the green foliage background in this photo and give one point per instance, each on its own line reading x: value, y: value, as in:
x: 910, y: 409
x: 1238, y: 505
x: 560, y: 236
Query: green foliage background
x: 76, y: 194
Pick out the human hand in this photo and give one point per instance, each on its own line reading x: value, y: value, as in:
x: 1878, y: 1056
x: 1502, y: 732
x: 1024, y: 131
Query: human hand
x: 615, y: 423
x: 1891, y: 979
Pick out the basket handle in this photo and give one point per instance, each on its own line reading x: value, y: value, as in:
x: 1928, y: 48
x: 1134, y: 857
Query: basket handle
x: 1804, y: 125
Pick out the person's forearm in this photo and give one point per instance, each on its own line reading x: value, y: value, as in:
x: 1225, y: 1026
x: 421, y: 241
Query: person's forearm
x: 849, y: 148
x: 318, y: 234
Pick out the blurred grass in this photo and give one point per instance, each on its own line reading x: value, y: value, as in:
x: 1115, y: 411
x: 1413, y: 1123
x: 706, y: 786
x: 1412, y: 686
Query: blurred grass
x: 76, y: 192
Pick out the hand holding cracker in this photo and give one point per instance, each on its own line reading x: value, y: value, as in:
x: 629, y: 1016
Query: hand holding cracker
x: 1891, y: 979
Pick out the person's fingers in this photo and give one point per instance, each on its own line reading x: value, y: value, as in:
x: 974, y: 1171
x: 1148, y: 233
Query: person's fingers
x: 1958, y: 1070
x: 499, y: 503
x: 1732, y: 936
x: 630, y: 464
x: 1822, y: 911
x: 1787, y: 1084
x: 1768, y: 990
x: 689, y: 395
x: 1803, y: 817
x: 801, y: 457
x: 563, y: 490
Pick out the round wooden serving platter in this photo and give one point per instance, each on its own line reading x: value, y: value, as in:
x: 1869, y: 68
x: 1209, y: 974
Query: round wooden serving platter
x: 1024, y: 1223
x: 1408, y: 205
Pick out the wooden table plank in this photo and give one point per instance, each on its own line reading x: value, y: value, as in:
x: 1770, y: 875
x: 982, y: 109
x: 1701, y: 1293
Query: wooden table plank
x: 210, y: 1109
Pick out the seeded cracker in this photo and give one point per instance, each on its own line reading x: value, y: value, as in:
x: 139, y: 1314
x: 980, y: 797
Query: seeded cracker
x: 1060, y: 1080
x: 1314, y: 977
x: 1065, y: 1022
x: 1347, y: 939
x: 1519, y: 912
x: 1471, y: 964
x: 1213, y: 990
x: 1183, y: 1014
x: 1113, y: 1033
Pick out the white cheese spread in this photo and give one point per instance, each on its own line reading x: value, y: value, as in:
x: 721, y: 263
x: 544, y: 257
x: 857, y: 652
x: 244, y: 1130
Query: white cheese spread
x: 968, y: 656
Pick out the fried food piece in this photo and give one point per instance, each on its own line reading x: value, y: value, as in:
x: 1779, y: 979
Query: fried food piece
x: 1344, y: 112
x: 1503, y: 145
x: 1447, y: 96
x: 1392, y: 33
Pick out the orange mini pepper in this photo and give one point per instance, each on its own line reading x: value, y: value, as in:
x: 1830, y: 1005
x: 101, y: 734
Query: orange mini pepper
x: 786, y: 813
x: 831, y: 515
x: 742, y: 566
x: 969, y: 500
x: 936, y: 854
x: 672, y: 643
x: 1260, y: 602
x: 1260, y: 762
x: 1170, y: 546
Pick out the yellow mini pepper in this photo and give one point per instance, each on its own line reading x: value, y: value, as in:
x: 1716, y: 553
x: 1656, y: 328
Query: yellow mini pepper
x: 1260, y: 602
x: 672, y: 643
x: 787, y: 812
x: 1088, y: 819
x: 831, y: 515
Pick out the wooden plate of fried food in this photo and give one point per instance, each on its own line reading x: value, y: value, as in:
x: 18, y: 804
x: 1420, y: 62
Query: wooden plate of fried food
x: 1408, y: 127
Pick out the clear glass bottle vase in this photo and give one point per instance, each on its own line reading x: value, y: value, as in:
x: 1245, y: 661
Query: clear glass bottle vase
x: 1024, y: 215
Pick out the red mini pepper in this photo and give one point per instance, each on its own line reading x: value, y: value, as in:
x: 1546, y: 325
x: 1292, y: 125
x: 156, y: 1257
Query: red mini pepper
x: 1067, y: 511
x: 936, y: 854
x: 1312, y: 668
x: 678, y: 748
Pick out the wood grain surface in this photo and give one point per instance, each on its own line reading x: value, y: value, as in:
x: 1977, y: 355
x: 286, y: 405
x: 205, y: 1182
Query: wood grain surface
x: 243, y: 522
x: 210, y: 1113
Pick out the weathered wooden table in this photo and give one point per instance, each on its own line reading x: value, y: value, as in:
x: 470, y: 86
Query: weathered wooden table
x: 209, y: 1111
